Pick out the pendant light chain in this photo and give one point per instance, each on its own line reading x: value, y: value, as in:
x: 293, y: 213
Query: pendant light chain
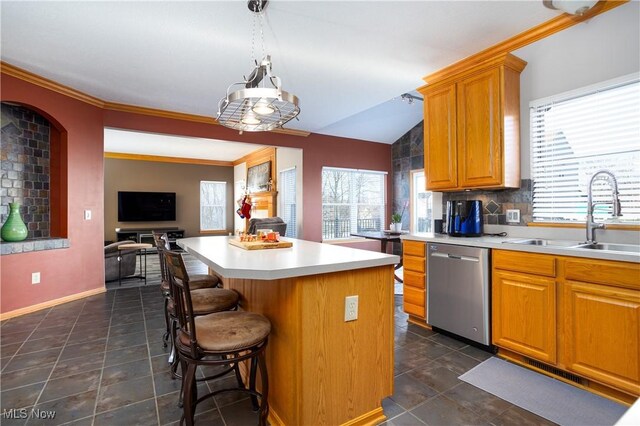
x: 257, y: 17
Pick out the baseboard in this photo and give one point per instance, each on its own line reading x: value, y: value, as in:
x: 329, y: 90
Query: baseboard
x: 50, y: 303
x: 373, y: 417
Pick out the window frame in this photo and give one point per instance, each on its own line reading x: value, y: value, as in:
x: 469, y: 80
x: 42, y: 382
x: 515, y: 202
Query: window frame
x: 436, y: 202
x: 353, y: 207
x: 222, y: 230
x: 292, y: 228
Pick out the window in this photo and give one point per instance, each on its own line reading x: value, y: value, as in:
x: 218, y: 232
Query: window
x: 426, y: 205
x: 287, y: 186
x: 352, y: 201
x: 213, y: 205
x: 574, y: 135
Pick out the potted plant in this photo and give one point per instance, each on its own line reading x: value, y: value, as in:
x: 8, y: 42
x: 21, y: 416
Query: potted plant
x: 396, y: 222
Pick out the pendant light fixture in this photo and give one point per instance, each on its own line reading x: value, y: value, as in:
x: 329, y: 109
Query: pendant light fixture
x: 258, y: 103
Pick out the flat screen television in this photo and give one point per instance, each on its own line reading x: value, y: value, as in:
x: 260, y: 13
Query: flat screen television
x: 146, y: 206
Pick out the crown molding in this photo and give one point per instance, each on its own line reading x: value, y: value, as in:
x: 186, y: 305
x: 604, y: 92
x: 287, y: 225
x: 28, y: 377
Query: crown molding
x: 525, y: 38
x: 37, y: 80
x: 163, y: 159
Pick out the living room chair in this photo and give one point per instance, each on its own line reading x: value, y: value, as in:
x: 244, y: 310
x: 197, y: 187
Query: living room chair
x: 112, y: 259
x: 276, y: 224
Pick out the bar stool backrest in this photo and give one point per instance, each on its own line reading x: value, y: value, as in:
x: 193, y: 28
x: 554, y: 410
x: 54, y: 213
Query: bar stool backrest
x: 179, y: 287
x: 161, y: 240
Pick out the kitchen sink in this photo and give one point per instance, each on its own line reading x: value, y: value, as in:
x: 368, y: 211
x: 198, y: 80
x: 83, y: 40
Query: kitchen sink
x: 627, y: 248
x: 529, y: 242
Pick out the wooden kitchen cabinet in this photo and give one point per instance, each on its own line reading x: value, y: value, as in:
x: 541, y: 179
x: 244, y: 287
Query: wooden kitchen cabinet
x: 577, y: 315
x: 602, y: 322
x: 414, y: 281
x: 472, y: 126
x: 524, y: 305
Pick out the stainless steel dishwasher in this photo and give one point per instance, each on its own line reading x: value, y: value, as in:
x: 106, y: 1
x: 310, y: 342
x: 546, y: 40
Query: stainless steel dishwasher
x: 458, y: 290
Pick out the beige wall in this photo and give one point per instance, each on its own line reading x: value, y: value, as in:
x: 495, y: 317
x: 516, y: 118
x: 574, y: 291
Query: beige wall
x: 183, y: 179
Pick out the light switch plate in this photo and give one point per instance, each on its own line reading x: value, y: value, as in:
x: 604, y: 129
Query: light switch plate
x: 87, y: 215
x: 513, y: 216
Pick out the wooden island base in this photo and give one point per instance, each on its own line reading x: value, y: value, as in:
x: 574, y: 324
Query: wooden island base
x: 323, y: 370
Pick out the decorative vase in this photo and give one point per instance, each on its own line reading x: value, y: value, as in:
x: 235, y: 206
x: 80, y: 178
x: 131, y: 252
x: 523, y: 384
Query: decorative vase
x: 396, y: 227
x: 14, y: 228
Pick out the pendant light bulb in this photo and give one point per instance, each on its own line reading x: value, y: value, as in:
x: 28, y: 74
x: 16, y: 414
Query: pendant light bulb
x: 263, y: 108
x: 250, y: 119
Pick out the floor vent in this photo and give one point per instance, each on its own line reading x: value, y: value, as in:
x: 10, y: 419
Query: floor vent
x: 556, y: 371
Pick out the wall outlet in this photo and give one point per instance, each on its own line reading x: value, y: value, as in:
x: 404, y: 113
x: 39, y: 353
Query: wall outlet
x: 350, y: 308
x: 87, y: 215
x: 513, y: 216
x: 35, y: 278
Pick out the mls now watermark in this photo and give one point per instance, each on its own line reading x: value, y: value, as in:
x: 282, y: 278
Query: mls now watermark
x: 27, y: 413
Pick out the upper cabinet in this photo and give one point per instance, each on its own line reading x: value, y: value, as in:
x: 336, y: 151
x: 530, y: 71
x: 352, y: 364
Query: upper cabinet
x: 472, y: 126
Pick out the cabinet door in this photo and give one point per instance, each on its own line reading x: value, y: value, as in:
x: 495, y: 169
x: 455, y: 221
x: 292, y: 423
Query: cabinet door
x: 524, y: 314
x: 602, y: 334
x: 480, y: 130
x: 440, y: 159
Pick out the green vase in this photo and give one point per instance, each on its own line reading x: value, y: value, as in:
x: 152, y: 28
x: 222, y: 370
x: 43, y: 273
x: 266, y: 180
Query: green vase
x: 14, y: 228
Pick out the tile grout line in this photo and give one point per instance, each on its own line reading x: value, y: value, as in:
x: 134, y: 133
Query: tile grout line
x: 153, y: 382
x: 104, y: 360
x: 55, y: 364
x: 25, y: 340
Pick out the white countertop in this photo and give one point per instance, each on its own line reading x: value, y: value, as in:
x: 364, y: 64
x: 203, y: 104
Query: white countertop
x: 557, y: 247
x: 304, y: 258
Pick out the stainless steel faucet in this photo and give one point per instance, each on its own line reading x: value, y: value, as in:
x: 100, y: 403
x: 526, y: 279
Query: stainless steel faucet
x: 592, y: 225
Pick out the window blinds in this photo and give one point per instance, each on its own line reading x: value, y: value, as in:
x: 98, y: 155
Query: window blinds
x: 288, y: 200
x: 577, y: 134
x: 213, y: 205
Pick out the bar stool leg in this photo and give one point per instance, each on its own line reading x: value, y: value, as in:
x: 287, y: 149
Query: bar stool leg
x: 252, y: 383
x: 190, y: 393
x: 264, y: 402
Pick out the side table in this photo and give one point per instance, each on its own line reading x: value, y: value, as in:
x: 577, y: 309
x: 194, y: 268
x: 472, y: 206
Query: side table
x: 141, y: 250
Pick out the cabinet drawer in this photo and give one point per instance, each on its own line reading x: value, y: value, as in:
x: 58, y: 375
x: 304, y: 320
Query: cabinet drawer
x: 620, y: 274
x: 414, y: 310
x: 414, y: 263
x: 414, y: 279
x: 414, y: 301
x: 538, y: 264
x: 413, y: 248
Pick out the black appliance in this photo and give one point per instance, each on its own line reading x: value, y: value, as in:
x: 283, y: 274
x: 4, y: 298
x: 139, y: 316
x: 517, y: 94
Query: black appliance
x: 146, y: 206
x: 464, y: 218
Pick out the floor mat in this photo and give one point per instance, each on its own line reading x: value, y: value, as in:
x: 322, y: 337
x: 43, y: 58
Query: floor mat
x: 542, y: 395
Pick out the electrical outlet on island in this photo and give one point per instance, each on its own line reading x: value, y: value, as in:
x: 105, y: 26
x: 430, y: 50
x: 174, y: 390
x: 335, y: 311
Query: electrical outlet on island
x: 351, y: 308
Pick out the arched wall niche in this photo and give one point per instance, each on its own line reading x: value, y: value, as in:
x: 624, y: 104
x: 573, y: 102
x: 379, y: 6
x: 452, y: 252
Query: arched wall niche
x: 34, y: 169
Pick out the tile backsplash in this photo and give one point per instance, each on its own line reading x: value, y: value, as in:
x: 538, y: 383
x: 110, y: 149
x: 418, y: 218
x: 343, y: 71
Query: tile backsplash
x: 496, y: 203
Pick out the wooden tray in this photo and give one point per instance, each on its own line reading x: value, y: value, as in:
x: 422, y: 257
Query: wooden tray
x: 260, y: 245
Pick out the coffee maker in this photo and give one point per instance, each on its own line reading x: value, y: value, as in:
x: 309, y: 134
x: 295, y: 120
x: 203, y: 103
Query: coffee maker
x: 463, y: 218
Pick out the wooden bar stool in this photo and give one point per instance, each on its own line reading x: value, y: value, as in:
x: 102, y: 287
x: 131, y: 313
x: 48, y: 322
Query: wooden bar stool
x: 207, y: 298
x: 220, y: 339
x: 161, y: 240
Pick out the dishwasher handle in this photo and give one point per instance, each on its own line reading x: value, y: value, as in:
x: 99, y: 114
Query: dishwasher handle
x: 456, y: 257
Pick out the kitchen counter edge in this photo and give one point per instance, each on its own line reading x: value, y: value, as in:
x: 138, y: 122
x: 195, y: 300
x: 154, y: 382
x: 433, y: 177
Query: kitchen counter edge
x: 503, y: 243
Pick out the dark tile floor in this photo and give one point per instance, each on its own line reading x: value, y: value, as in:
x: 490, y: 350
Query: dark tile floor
x: 100, y: 361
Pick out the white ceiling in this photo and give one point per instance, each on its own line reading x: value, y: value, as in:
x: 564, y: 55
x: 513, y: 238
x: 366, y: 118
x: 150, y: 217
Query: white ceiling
x: 346, y: 61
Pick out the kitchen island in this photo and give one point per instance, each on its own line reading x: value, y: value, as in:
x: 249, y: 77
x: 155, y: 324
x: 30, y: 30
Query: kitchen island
x: 322, y: 370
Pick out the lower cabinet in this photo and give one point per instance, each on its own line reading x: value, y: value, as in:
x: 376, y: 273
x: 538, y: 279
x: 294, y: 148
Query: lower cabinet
x: 579, y: 315
x: 602, y: 334
x: 524, y: 314
x: 414, y: 273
